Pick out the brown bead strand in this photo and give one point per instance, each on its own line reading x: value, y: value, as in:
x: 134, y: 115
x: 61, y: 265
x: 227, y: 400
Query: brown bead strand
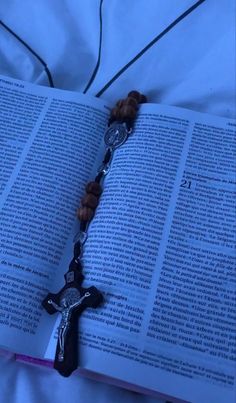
x: 120, y: 103
x: 127, y: 112
x: 85, y: 213
x: 135, y: 95
x: 139, y: 97
x: 126, y: 109
x: 89, y: 202
x: 115, y: 113
x: 131, y: 102
x: 94, y: 188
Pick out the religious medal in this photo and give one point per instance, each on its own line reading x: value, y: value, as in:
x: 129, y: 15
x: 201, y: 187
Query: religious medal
x: 116, y: 135
x: 73, y: 299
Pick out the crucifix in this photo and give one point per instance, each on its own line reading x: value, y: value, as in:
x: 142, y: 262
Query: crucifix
x: 70, y: 302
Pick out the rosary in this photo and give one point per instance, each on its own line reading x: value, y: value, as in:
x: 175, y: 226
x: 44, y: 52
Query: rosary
x: 73, y: 299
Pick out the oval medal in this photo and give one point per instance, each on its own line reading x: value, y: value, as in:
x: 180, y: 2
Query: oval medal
x: 116, y: 135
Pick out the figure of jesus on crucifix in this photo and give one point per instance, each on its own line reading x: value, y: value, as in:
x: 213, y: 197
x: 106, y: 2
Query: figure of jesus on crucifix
x: 68, y: 302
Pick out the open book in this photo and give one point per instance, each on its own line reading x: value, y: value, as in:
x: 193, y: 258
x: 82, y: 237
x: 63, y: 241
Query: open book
x: 161, y: 246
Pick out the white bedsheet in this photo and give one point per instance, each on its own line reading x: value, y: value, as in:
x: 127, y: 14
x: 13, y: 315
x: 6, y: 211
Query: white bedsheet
x: 193, y: 66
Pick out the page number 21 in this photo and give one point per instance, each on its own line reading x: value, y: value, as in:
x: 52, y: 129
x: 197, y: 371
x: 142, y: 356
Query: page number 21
x: 186, y: 184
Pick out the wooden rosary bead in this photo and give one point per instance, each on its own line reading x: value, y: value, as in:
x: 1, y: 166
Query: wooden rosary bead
x: 90, y: 200
x: 140, y: 98
x: 126, y: 108
x: 85, y: 213
x: 131, y: 102
x: 127, y: 112
x: 115, y: 113
x: 120, y: 103
x: 94, y: 188
x: 135, y: 95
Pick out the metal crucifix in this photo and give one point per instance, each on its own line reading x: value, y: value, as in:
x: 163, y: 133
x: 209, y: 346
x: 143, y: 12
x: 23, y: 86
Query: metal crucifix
x: 70, y: 302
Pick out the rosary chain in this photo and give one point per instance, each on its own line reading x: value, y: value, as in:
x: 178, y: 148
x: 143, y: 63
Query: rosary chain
x: 119, y: 128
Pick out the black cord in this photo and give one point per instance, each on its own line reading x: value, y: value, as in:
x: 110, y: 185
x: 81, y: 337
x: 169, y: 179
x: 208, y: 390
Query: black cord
x: 148, y: 46
x: 99, y: 51
x: 31, y: 51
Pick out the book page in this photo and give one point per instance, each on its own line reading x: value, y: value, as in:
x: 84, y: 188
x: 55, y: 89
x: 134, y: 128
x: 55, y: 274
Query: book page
x: 162, y: 249
x: 50, y: 142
